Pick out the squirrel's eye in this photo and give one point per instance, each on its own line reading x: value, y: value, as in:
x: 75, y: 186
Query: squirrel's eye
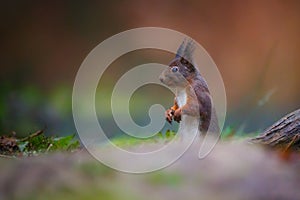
x: 174, y: 69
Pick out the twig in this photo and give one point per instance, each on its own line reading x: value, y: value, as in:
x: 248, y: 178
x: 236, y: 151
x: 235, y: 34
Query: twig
x: 294, y: 140
x: 50, y: 145
x: 7, y: 157
x: 39, y: 132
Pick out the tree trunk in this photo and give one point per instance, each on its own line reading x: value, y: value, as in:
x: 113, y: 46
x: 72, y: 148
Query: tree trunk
x: 284, y: 134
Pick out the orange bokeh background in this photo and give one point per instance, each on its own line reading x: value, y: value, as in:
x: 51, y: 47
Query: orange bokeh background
x: 255, y: 44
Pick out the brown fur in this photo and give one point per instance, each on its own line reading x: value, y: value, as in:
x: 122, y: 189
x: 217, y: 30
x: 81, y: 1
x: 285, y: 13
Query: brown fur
x: 189, y: 78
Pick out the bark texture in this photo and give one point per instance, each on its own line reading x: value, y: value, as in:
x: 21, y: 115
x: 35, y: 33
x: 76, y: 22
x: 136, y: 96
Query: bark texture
x: 284, y: 134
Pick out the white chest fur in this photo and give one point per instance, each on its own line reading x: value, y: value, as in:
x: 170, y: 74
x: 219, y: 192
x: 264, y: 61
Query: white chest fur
x: 181, y: 97
x: 189, y: 125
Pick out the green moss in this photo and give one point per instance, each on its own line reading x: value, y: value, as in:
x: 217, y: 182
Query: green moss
x: 161, y: 178
x: 125, y: 141
x: 43, y: 144
x: 95, y: 169
x: 86, y: 193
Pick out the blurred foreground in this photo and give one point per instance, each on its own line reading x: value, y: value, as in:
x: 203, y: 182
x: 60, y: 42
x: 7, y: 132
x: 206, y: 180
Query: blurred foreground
x: 231, y: 171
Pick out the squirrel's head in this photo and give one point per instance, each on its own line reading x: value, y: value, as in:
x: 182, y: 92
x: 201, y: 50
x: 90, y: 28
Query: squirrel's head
x: 181, y: 70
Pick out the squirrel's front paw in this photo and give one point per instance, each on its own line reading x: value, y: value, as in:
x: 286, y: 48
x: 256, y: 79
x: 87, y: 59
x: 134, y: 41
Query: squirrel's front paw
x: 177, y: 115
x: 169, y: 115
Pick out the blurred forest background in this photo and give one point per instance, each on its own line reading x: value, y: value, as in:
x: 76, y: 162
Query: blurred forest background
x: 255, y: 45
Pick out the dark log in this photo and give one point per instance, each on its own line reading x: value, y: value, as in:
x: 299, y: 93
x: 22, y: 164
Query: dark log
x: 284, y: 134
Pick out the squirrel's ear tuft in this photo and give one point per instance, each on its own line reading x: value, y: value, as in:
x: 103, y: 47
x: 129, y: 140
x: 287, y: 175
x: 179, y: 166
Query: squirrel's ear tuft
x: 189, y: 50
x: 180, y: 50
x: 186, y: 49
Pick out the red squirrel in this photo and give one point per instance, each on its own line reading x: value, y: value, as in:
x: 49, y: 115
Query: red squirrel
x: 192, y: 94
